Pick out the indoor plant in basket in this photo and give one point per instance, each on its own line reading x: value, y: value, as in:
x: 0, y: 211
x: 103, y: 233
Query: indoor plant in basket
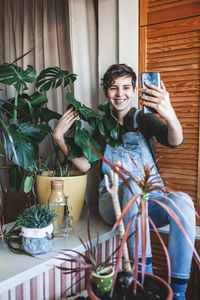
x: 32, y: 231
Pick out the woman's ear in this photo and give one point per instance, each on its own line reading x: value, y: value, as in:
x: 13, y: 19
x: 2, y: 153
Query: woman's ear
x: 135, y: 90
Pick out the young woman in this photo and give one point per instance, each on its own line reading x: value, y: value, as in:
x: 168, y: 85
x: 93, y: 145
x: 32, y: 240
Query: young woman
x: 140, y: 132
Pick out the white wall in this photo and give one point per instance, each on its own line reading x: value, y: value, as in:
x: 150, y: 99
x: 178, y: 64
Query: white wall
x: 117, y: 43
x: 118, y: 36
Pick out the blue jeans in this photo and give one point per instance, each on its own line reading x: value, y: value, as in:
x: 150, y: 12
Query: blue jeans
x: 179, y: 250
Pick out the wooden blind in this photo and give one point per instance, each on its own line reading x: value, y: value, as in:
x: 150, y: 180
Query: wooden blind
x: 173, y: 49
x: 159, y: 11
x: 160, y: 266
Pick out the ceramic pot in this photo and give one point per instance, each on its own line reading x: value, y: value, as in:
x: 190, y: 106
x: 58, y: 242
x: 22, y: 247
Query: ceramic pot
x: 74, y: 189
x: 104, y: 280
x: 37, y: 240
x: 157, y: 281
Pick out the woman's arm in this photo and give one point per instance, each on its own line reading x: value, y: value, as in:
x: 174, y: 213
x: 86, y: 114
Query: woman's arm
x: 65, y: 122
x: 160, y: 101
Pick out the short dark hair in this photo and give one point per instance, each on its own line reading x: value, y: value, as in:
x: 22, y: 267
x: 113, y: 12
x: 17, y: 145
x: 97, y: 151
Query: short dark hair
x: 115, y: 71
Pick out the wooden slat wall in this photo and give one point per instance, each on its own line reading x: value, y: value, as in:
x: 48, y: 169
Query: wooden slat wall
x: 158, y: 11
x: 160, y: 266
x: 173, y: 49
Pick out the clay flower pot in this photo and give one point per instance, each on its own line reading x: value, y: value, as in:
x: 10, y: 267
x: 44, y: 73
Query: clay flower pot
x: 104, y: 280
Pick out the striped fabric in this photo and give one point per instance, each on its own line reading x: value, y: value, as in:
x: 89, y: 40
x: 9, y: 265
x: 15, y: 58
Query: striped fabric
x: 52, y: 284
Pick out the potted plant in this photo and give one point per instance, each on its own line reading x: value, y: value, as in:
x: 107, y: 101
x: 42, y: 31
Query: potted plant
x: 100, y: 272
x: 78, y: 138
x: 23, y: 125
x: 26, y: 125
x: 32, y: 231
x: 140, y: 283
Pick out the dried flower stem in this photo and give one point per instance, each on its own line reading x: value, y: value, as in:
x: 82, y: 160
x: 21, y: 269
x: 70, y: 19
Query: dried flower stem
x: 113, y: 191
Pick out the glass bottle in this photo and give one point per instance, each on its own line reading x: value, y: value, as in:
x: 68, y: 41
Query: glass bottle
x: 57, y: 202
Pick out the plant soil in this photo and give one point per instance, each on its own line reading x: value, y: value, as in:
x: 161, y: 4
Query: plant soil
x: 152, y: 289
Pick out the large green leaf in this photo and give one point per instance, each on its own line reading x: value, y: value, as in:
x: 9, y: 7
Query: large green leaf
x: 7, y: 142
x: 11, y: 74
x: 110, y: 128
x: 26, y: 107
x: 105, y: 106
x: 46, y: 114
x: 53, y: 77
x: 24, y: 150
x: 84, y: 140
x: 29, y: 130
x: 84, y: 111
x: 16, y: 175
x: 38, y: 99
x: 74, y: 150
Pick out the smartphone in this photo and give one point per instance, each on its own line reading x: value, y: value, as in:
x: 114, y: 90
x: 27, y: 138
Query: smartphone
x: 153, y: 78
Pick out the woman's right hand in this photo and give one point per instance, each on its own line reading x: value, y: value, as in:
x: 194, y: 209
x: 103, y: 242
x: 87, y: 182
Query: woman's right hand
x: 64, y: 124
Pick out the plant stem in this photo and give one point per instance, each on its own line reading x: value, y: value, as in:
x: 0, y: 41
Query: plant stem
x: 15, y: 110
x: 113, y: 191
x: 117, y: 208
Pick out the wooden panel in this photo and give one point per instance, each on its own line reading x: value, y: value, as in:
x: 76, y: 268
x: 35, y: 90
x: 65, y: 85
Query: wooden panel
x: 172, y: 49
x: 160, y: 266
x: 154, y: 11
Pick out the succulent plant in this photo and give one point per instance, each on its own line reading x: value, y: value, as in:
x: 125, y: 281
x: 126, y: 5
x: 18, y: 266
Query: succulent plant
x: 36, y: 216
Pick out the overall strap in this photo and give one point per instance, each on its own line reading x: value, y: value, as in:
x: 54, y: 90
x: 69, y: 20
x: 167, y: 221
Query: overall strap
x: 135, y: 124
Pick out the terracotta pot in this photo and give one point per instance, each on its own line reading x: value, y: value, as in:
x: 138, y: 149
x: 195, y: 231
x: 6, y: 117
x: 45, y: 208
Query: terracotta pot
x: 74, y: 189
x: 162, y: 282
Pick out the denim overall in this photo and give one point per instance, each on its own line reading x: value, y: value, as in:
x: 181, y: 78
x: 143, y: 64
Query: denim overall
x: 135, y: 145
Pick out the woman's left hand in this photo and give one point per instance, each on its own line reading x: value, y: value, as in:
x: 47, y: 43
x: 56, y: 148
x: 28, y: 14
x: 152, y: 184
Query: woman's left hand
x: 158, y: 99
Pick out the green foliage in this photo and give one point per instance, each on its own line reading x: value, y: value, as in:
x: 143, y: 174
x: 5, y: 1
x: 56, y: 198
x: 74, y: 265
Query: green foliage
x: 90, y: 261
x: 28, y: 124
x: 11, y: 74
x: 36, y: 216
x: 53, y: 77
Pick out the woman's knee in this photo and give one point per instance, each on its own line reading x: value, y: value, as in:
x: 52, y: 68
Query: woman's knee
x: 184, y: 202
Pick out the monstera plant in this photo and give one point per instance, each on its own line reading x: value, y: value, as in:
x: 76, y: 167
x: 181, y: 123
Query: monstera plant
x: 24, y: 123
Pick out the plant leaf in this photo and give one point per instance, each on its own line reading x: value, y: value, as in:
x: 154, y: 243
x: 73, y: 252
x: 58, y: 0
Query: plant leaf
x: 16, y: 175
x: 83, y: 140
x: 53, y: 77
x: 28, y: 183
x: 24, y: 151
x: 11, y: 74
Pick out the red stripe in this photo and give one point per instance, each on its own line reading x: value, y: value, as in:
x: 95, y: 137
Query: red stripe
x: 63, y: 281
x: 51, y: 284
x: 44, y: 285
x: 19, y: 292
x: 33, y: 288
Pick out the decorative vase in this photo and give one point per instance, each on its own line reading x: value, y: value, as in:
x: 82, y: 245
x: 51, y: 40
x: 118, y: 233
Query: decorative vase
x: 74, y: 190
x: 37, y: 240
x: 104, y: 280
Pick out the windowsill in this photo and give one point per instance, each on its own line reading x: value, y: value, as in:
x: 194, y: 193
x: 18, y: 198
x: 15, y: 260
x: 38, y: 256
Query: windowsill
x: 165, y: 229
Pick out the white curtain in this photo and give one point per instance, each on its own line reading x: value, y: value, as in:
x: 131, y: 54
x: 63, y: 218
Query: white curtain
x: 41, y: 25
x: 62, y: 33
x: 84, y: 44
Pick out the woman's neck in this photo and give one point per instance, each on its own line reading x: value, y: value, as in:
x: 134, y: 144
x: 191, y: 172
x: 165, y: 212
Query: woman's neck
x: 121, y: 115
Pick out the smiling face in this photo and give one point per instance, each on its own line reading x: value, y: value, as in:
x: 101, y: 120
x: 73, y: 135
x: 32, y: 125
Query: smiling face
x: 120, y: 94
